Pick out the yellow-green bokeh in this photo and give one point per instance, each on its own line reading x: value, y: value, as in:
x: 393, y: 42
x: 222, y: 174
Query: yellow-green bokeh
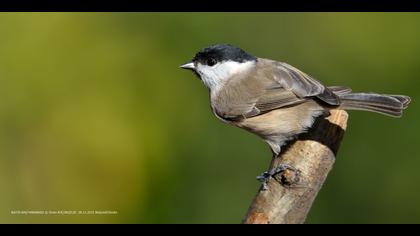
x: 96, y: 115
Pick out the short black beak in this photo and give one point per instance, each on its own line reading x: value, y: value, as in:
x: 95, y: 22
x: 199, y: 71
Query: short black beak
x: 188, y: 66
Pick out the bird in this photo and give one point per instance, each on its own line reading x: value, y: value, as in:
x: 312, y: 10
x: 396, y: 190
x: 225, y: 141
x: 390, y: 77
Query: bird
x: 273, y: 99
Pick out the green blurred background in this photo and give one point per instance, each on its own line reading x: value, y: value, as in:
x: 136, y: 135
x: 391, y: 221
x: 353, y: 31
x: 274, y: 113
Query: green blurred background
x: 96, y: 115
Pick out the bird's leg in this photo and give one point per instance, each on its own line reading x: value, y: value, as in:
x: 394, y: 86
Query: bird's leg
x: 266, y: 175
x: 274, y: 172
x: 264, y: 178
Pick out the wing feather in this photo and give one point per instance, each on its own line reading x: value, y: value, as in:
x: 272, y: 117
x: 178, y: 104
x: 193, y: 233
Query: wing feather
x: 272, y: 86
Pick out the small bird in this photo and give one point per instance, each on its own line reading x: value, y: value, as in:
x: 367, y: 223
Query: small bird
x: 273, y: 99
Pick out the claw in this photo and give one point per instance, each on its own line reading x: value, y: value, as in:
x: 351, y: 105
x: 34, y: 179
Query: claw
x: 265, y: 177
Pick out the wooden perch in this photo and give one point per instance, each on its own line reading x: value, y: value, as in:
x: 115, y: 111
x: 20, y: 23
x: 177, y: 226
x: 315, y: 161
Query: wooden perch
x: 290, y: 194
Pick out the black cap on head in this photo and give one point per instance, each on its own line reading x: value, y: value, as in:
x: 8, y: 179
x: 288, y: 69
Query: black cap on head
x: 222, y: 52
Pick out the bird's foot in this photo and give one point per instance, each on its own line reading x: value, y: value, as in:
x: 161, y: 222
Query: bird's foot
x: 264, y: 178
x: 285, y: 174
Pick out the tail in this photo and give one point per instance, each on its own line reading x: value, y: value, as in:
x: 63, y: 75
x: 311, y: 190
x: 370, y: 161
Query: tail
x: 390, y: 105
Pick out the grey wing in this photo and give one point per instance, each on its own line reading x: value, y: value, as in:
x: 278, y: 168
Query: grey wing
x: 275, y: 98
x: 251, y: 96
x: 301, y: 84
x: 290, y: 86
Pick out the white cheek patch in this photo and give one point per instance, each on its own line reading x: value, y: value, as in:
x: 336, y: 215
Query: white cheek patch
x: 215, y: 76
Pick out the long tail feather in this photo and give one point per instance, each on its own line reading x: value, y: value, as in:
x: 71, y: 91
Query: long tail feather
x: 391, y: 105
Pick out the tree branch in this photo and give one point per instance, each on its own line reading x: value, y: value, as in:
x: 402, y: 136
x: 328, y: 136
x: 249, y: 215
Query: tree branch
x: 290, y: 194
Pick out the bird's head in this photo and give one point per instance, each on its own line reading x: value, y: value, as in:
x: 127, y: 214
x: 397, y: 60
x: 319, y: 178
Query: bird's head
x: 217, y: 63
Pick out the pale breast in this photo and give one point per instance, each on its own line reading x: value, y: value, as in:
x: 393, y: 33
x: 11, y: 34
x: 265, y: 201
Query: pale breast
x: 278, y: 126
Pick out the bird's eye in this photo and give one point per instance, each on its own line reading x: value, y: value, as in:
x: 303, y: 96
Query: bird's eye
x: 211, y: 62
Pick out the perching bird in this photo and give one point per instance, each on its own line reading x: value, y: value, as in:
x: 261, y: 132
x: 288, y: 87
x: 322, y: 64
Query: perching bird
x: 275, y: 100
